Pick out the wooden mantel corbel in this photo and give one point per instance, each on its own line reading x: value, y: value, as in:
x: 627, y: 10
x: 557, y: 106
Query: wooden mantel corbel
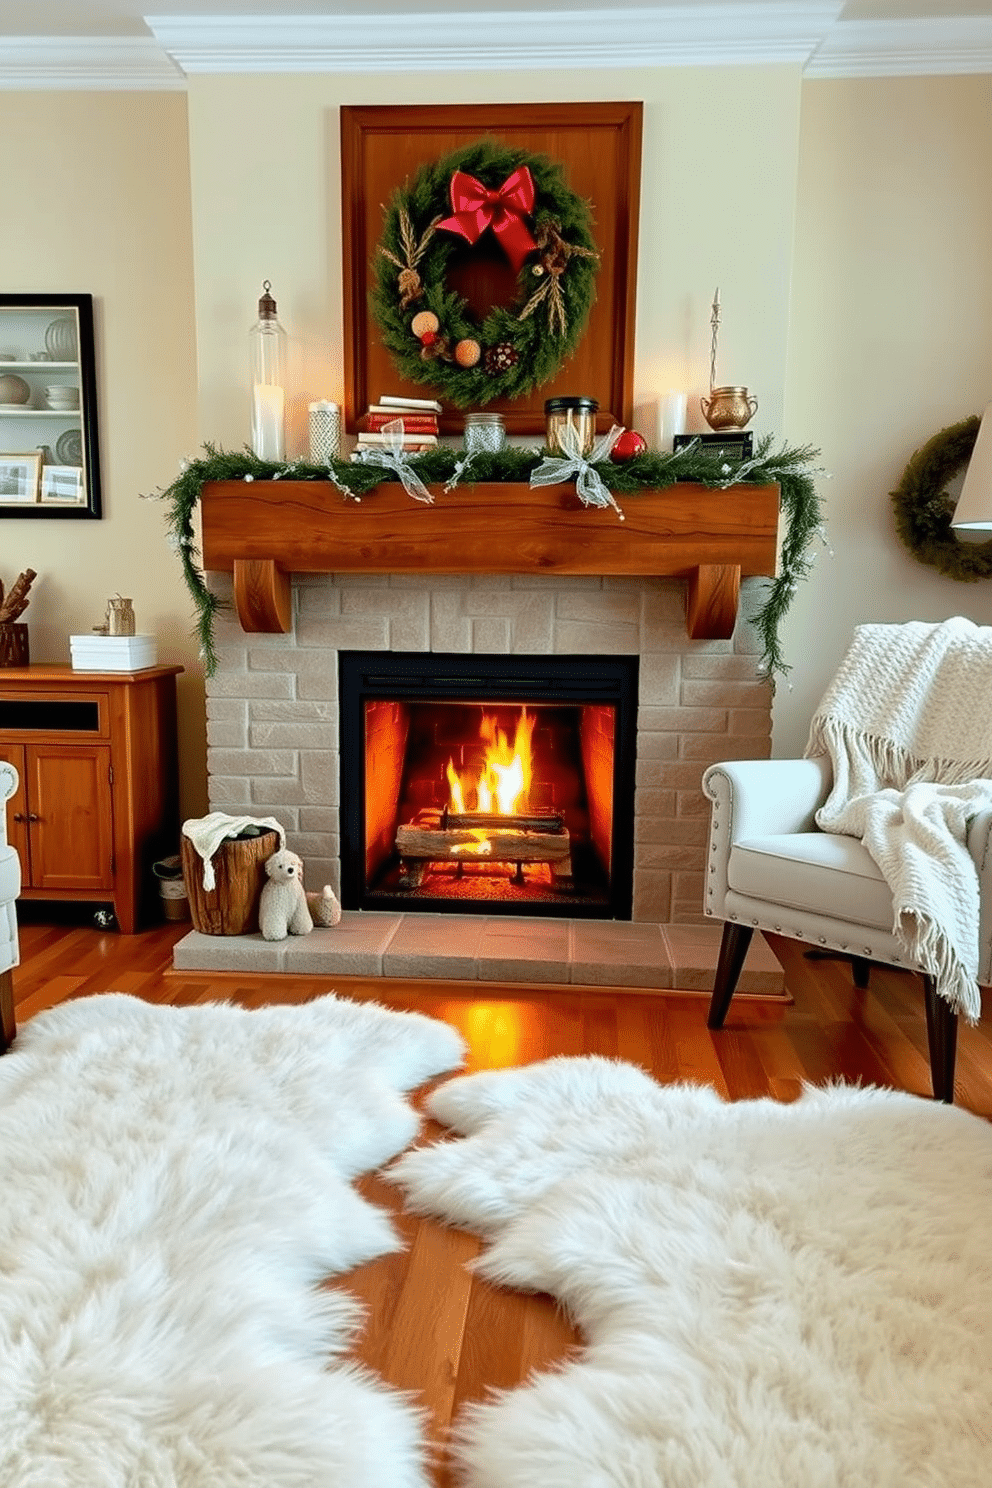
x: 264, y: 531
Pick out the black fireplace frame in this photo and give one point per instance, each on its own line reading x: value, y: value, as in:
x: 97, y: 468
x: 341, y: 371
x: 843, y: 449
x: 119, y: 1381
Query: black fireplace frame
x: 450, y: 676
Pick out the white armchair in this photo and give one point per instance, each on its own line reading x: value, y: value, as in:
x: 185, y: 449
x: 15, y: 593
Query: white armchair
x: 10, y: 887
x: 771, y: 868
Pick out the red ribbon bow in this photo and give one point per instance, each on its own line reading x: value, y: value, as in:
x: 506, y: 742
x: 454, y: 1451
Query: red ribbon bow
x: 475, y: 208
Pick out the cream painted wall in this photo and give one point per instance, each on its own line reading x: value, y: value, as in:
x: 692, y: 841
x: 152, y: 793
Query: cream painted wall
x: 890, y: 342
x: 717, y: 203
x: 97, y: 202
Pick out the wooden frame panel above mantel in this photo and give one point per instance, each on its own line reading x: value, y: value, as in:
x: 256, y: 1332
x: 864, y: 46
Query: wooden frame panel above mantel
x: 599, y: 148
x: 264, y: 531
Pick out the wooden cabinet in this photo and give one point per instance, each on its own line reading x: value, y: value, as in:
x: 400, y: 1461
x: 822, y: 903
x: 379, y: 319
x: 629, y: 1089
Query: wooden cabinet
x: 98, y: 798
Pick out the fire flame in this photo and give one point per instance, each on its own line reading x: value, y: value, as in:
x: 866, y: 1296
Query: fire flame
x: 504, y: 782
x: 480, y: 846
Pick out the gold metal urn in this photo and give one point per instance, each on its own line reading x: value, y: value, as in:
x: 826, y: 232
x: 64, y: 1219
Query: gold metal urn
x: 728, y: 408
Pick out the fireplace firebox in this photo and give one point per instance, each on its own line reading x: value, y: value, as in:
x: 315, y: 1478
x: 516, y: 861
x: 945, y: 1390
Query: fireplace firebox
x: 477, y: 784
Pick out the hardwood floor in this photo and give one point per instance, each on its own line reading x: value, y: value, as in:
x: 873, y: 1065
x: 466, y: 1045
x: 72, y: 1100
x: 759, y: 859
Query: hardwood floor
x: 432, y: 1328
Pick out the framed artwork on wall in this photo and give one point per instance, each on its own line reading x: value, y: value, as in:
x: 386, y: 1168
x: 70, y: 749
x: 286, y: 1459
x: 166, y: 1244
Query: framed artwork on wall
x: 598, y: 149
x: 48, y: 406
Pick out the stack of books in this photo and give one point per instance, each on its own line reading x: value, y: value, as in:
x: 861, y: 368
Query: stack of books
x: 419, y: 417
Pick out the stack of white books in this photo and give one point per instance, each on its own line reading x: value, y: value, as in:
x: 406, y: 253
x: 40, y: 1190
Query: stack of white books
x: 107, y: 653
x: 420, y: 426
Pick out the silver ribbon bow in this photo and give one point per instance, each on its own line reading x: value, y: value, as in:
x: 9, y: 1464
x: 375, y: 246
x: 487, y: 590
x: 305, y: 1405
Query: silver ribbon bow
x: 393, y: 457
x: 575, y: 465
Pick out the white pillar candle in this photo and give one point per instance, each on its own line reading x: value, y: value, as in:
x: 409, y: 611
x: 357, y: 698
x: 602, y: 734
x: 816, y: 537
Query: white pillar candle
x: 267, y: 436
x: 671, y: 417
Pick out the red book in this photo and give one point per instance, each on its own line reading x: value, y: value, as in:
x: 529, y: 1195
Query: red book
x: 419, y: 423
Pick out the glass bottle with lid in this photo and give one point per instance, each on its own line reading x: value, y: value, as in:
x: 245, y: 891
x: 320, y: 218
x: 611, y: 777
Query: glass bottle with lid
x: 267, y: 343
x: 577, y: 413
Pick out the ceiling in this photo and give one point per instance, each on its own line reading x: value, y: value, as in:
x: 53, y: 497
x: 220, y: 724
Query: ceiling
x: 127, y: 17
x: 120, y: 44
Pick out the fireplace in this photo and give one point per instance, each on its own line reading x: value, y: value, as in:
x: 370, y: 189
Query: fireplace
x: 488, y: 784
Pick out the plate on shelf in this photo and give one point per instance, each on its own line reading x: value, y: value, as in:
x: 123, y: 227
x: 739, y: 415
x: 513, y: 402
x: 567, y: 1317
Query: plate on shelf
x: 69, y: 447
x: 60, y: 339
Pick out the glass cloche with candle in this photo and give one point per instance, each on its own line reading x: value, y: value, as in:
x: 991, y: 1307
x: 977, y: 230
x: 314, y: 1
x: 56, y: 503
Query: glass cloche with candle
x: 267, y: 342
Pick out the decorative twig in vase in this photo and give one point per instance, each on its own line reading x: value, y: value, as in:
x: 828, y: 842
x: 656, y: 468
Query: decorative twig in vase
x: 14, y: 638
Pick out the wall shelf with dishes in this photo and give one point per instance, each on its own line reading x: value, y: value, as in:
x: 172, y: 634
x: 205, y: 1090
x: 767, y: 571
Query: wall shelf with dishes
x: 49, y: 452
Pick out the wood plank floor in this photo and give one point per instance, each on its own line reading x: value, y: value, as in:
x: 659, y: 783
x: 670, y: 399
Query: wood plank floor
x: 432, y: 1327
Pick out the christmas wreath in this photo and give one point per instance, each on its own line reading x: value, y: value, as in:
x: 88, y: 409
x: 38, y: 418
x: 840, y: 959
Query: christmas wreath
x: 923, y: 508
x: 545, y: 231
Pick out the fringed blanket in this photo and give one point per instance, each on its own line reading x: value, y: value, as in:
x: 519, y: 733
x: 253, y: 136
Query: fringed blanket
x: 907, y: 725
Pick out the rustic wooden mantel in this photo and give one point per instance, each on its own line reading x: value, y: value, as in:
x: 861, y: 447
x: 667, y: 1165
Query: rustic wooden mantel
x: 264, y: 531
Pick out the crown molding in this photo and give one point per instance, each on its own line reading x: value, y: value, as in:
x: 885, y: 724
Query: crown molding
x: 97, y: 63
x: 910, y: 48
x: 806, y: 33
x: 667, y: 36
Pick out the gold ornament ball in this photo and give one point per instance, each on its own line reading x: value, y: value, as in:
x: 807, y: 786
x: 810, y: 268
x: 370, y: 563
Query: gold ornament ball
x: 426, y: 320
x: 467, y: 353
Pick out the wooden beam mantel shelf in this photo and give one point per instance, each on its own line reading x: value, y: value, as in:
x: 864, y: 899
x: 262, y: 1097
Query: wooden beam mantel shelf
x: 264, y: 531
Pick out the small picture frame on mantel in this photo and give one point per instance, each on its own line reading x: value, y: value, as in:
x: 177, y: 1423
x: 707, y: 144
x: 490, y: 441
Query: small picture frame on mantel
x: 48, y: 406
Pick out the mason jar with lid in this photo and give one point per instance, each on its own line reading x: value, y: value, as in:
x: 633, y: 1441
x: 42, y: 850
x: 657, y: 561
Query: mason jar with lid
x: 485, y: 433
x: 579, y: 413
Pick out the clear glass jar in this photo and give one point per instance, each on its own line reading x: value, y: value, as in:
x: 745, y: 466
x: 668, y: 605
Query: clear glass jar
x: 267, y: 343
x: 485, y: 433
x: 580, y: 413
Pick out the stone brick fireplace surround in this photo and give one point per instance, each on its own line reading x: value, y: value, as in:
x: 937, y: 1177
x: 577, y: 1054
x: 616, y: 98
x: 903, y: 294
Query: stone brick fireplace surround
x: 272, y: 711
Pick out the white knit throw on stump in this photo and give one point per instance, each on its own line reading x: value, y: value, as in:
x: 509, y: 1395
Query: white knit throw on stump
x: 907, y: 726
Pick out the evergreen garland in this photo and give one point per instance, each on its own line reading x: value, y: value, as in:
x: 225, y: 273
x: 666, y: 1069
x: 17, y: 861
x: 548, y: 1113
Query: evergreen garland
x: 791, y: 468
x: 923, y: 508
x: 538, y: 343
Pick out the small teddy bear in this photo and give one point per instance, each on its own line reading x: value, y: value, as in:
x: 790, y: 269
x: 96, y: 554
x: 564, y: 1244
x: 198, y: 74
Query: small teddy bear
x: 285, y: 907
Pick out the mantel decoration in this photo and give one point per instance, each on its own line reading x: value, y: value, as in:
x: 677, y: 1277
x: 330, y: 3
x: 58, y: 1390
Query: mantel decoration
x: 543, y: 228
x: 923, y: 507
x: 726, y: 407
x: 792, y: 468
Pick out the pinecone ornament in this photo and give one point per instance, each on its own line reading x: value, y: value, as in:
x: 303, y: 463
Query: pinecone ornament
x: 501, y: 357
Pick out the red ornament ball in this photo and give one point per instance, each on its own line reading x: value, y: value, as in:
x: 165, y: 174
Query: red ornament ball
x: 629, y: 444
x: 428, y: 337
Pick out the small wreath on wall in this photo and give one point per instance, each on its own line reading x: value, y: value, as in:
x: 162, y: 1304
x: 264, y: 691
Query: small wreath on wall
x: 545, y: 231
x: 923, y: 508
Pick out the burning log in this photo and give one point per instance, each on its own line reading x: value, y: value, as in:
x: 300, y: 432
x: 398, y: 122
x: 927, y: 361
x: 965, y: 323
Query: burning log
x: 433, y: 837
x: 551, y: 822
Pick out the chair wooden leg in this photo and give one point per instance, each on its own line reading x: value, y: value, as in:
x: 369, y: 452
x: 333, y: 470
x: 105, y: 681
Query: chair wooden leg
x: 942, y: 1036
x: 7, y: 1029
x: 733, y: 949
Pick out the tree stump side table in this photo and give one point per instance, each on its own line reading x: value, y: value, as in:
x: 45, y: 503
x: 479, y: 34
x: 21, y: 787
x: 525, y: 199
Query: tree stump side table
x: 231, y: 908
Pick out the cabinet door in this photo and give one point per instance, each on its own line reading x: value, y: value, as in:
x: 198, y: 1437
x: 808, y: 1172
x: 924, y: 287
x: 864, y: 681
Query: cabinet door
x: 70, y: 816
x: 17, y: 808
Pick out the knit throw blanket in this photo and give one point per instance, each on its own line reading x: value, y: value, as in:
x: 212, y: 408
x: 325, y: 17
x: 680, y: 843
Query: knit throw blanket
x: 907, y: 726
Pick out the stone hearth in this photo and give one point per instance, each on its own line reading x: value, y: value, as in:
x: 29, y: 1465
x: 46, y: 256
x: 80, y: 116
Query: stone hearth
x: 475, y: 948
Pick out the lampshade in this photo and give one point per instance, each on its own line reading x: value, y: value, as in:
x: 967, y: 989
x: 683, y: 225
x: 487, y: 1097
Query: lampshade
x: 974, y: 509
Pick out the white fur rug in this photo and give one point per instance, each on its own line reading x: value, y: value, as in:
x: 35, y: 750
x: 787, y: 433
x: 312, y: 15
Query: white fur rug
x: 772, y: 1296
x: 173, y: 1184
